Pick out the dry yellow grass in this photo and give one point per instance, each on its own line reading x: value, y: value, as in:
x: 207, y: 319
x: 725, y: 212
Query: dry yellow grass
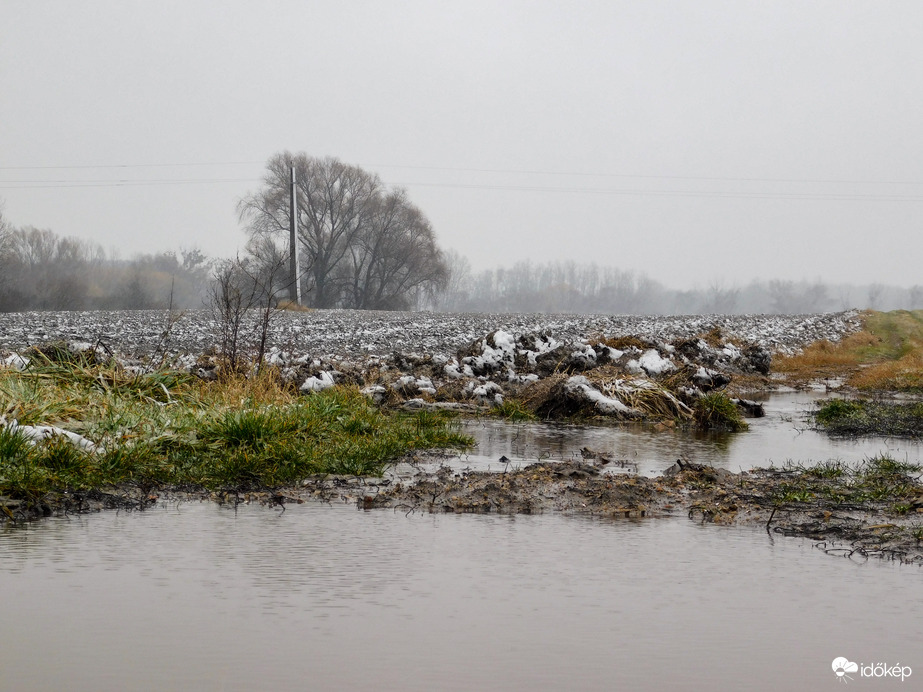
x: 901, y: 375
x: 886, y: 354
x: 265, y: 388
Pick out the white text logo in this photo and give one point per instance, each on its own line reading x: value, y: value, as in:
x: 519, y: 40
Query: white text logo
x: 842, y: 667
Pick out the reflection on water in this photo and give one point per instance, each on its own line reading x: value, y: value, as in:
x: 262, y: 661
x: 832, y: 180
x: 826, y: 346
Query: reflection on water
x: 199, y: 597
x: 781, y: 436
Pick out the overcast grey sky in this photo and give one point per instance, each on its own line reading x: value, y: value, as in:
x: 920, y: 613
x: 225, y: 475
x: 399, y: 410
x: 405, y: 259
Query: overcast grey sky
x: 692, y: 141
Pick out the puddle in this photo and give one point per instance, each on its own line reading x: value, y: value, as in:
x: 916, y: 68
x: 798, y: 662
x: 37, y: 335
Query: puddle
x: 200, y: 597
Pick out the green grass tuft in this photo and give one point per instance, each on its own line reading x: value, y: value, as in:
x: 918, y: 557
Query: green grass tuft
x: 716, y: 411
x: 513, y: 410
x: 879, y: 479
x: 867, y: 417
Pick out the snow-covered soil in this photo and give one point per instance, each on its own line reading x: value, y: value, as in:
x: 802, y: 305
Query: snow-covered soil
x: 622, y: 367
x: 351, y: 333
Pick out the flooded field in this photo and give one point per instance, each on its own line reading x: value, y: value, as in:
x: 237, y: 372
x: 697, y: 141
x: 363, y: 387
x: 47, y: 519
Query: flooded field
x: 204, y: 597
x: 784, y: 434
x: 199, y: 597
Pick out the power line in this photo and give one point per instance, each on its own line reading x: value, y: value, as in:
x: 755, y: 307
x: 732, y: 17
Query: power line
x: 707, y: 194
x: 641, y: 176
x: 657, y: 177
x: 65, y: 184
x: 680, y: 193
x: 130, y: 165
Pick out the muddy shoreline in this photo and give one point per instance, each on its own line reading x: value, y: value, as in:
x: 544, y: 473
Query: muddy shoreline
x: 890, y: 528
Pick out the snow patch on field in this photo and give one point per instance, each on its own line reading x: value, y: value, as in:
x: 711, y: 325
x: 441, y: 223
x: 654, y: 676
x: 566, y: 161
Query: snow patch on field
x: 317, y: 383
x: 655, y: 364
x: 579, y: 387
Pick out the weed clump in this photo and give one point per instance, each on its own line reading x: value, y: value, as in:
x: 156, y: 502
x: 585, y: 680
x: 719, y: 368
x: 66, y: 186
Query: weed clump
x: 716, y: 411
x: 867, y: 417
x: 513, y: 410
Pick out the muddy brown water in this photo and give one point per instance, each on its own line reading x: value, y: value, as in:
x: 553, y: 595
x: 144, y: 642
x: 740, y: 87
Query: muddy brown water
x: 197, y: 596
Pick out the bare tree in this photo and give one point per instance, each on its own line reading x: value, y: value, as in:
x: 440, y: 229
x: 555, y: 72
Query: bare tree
x: 244, y: 299
x: 394, y: 256
x: 232, y: 295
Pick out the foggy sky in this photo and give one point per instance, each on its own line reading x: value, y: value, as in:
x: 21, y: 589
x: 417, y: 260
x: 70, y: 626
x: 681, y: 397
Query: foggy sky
x: 694, y: 141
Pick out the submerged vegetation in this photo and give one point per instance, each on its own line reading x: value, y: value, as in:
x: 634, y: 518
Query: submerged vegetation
x: 887, y: 354
x: 166, y: 429
x: 866, y: 417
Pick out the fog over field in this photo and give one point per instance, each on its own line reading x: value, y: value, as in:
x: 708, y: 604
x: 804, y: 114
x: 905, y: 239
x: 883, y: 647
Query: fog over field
x: 704, y: 149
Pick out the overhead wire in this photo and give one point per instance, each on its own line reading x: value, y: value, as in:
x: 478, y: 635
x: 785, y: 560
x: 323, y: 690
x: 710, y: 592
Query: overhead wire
x: 514, y: 171
x: 819, y: 195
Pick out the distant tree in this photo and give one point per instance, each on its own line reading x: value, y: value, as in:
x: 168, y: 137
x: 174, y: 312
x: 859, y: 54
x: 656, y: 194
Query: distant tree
x: 361, y: 246
x: 720, y: 299
x: 40, y: 270
x: 457, y: 292
x: 876, y: 293
x: 6, y: 254
x: 48, y: 272
x: 916, y: 297
x: 816, y: 297
x: 783, y: 296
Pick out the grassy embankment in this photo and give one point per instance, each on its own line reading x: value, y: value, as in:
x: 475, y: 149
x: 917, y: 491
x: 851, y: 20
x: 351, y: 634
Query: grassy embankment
x: 886, y: 356
x: 170, y: 430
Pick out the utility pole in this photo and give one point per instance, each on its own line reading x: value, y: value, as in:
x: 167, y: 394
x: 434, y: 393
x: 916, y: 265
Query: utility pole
x: 295, y: 287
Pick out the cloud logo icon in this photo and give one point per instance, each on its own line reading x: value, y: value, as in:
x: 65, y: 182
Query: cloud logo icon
x: 841, y: 666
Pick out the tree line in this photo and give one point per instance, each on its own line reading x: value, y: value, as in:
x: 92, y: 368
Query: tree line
x: 41, y: 270
x: 572, y: 287
x: 364, y: 245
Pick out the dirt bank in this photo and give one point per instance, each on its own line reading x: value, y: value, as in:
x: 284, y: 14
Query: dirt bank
x: 874, y: 510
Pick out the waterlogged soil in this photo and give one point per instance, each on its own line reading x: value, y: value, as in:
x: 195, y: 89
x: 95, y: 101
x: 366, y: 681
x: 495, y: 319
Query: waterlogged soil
x: 888, y: 528
x: 827, y: 511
